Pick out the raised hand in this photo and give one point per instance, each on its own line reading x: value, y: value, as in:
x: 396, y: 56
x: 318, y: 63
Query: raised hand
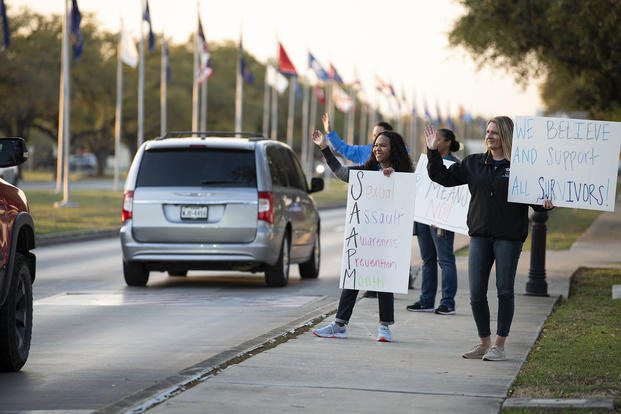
x: 326, y: 123
x: 431, y: 137
x: 319, y: 139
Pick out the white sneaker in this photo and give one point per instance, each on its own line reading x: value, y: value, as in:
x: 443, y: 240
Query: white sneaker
x: 383, y: 334
x: 495, y: 354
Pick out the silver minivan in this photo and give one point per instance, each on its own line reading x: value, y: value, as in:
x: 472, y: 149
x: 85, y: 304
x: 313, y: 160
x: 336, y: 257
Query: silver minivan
x: 219, y: 203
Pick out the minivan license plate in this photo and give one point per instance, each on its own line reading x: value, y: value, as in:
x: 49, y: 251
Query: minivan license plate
x: 193, y: 212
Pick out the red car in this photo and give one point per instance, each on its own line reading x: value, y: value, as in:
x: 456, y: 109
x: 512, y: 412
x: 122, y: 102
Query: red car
x: 17, y: 263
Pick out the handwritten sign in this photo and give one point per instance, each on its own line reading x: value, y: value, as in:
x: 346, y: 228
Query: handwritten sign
x: 378, y: 231
x: 573, y: 162
x: 444, y: 207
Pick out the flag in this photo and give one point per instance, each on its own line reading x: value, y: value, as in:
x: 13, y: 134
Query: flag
x: 276, y: 80
x: 146, y: 16
x: 129, y: 54
x: 384, y: 87
x: 320, y: 95
x: 5, y: 25
x: 284, y: 63
x: 319, y: 71
x: 76, y: 35
x: 243, y: 66
x: 334, y: 75
x: 205, y: 69
x: 341, y: 99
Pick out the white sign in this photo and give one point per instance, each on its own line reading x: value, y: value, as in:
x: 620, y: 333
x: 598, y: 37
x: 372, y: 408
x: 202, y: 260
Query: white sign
x: 573, y: 162
x: 378, y: 231
x: 444, y: 207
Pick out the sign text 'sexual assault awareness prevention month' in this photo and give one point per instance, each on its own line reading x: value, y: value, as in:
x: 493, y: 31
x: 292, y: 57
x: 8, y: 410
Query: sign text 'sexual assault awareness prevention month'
x: 378, y: 231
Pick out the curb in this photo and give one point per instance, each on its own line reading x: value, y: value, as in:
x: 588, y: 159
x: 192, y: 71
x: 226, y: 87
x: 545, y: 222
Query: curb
x: 167, y: 388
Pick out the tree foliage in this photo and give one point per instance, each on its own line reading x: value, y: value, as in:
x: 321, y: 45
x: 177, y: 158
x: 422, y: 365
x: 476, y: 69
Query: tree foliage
x: 30, y: 79
x: 573, y: 45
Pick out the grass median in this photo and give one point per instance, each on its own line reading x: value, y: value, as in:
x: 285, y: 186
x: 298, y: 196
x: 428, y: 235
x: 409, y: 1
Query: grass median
x: 578, y: 354
x: 101, y: 210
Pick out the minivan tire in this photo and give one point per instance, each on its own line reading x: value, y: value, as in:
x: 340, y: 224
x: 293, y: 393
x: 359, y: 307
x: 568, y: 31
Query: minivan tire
x: 135, y: 274
x: 16, y: 318
x: 310, y: 268
x: 278, y: 274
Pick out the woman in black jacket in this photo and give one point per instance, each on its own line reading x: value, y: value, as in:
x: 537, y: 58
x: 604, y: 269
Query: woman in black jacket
x: 497, y: 228
x: 388, y: 155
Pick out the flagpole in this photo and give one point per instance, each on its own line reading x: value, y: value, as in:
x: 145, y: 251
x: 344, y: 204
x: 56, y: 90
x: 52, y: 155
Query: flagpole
x: 274, y: 134
x: 239, y: 86
x: 163, y: 88
x: 140, y: 137
x: 195, y: 80
x: 266, y: 103
x: 65, y: 104
x: 305, y: 130
x: 362, y: 128
x: 61, y: 106
x: 290, y: 112
x: 350, y: 119
x: 203, y: 106
x: 119, y: 110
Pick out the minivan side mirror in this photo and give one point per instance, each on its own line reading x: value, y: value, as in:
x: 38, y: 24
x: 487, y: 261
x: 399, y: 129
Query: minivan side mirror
x: 316, y: 184
x: 12, y: 151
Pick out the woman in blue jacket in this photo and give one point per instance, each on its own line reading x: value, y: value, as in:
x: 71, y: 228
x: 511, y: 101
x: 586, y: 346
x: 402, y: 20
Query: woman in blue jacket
x: 497, y: 228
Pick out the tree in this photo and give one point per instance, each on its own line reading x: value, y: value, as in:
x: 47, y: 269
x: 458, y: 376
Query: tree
x: 574, y: 46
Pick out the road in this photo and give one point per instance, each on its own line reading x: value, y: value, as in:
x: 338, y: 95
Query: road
x: 96, y: 341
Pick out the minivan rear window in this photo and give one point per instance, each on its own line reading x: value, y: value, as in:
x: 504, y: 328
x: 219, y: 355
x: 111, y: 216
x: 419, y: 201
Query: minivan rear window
x: 196, y: 167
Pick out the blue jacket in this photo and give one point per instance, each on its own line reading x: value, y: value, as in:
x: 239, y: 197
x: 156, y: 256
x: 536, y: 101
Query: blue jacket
x: 358, y: 154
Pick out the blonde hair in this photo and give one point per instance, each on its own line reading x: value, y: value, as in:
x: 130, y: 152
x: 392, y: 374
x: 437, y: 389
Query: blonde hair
x: 505, y: 131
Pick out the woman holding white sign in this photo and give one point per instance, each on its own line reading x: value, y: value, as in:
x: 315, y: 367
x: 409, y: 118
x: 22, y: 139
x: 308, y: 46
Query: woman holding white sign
x: 436, y: 248
x: 496, y: 227
x: 389, y: 155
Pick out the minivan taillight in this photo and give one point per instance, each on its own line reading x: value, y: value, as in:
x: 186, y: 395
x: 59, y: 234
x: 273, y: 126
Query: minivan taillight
x: 266, y: 207
x: 128, y: 206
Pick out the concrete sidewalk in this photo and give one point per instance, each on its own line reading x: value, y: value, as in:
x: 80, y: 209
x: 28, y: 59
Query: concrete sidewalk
x: 421, y: 371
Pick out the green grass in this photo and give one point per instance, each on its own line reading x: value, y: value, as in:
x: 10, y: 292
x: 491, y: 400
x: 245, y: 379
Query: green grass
x: 563, y: 228
x: 333, y: 194
x: 96, y: 210
x: 578, y: 354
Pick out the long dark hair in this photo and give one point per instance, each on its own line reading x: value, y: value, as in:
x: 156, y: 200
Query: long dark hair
x: 448, y: 135
x: 399, y: 158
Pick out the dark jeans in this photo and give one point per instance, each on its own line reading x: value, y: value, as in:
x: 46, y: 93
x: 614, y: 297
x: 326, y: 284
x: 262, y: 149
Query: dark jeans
x: 484, y: 251
x: 348, y: 300
x: 436, y: 247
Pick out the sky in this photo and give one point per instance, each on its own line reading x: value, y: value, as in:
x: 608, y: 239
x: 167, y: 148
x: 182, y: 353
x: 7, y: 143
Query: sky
x: 403, y: 42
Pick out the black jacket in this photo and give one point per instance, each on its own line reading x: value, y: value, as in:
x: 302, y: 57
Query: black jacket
x: 489, y: 212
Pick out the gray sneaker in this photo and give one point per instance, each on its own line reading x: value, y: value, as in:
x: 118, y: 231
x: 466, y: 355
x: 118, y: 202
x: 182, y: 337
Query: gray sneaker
x: 476, y: 352
x: 495, y: 354
x: 331, y: 331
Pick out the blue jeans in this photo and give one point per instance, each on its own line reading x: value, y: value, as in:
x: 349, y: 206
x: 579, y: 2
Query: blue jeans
x: 484, y: 251
x: 348, y: 300
x: 436, y: 247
